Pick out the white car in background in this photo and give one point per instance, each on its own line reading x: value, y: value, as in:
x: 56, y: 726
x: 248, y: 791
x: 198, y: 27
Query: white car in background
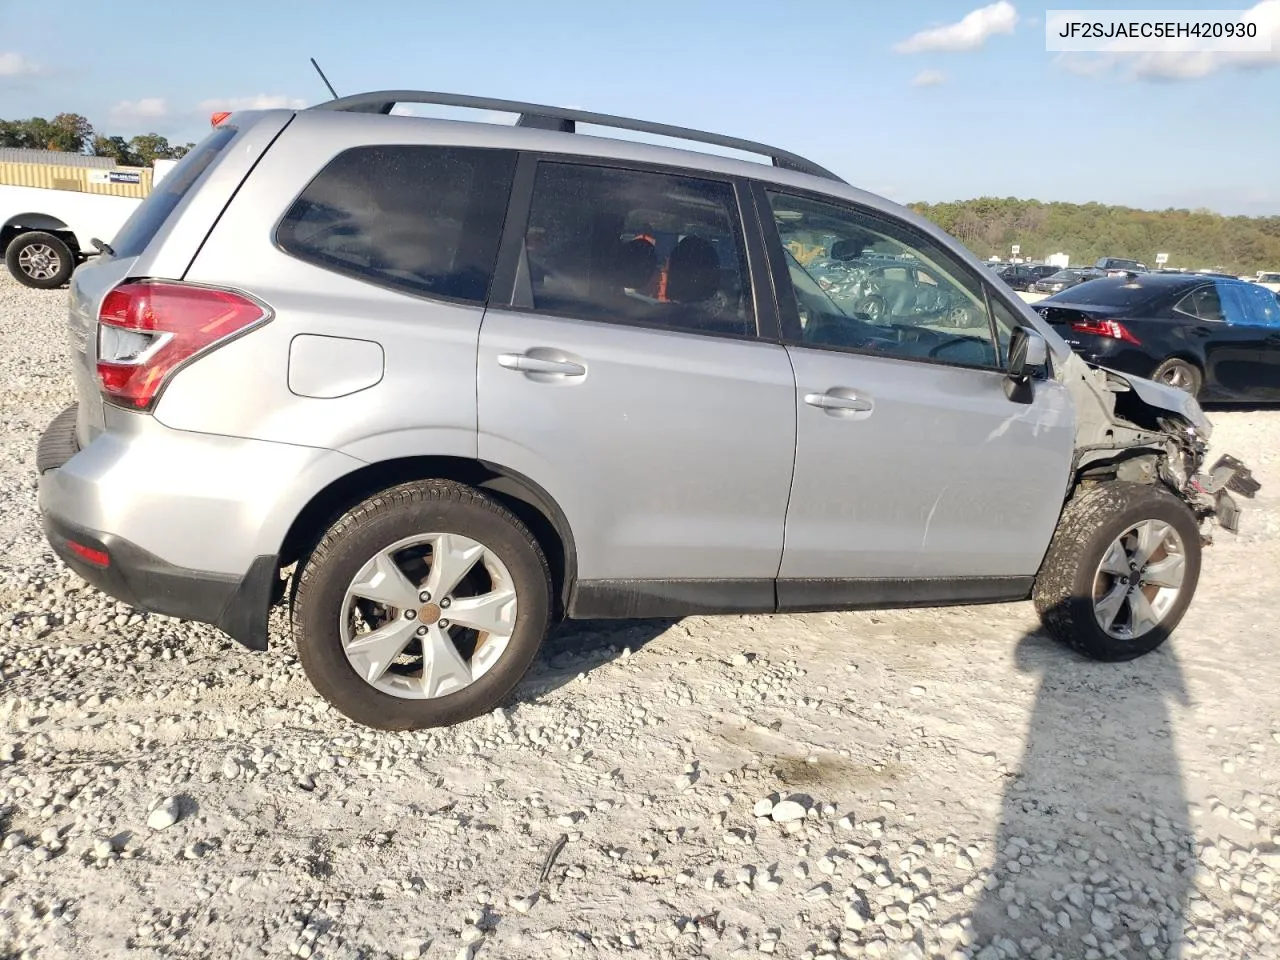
x: 1267, y: 278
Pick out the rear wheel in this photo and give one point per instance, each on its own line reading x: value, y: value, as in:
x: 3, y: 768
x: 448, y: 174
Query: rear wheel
x: 1179, y: 373
x: 421, y: 607
x: 1120, y: 572
x: 40, y: 260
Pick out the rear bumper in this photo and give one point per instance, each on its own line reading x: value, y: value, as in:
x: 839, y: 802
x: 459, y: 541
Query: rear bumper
x: 239, y: 606
x: 191, y: 524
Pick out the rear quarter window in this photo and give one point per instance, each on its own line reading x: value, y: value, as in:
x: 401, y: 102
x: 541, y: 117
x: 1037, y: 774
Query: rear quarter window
x: 424, y: 220
x: 149, y: 216
x: 1124, y: 294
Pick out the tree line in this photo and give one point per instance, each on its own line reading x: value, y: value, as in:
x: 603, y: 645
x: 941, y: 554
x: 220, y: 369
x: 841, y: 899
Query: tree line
x: 1196, y: 239
x: 72, y: 133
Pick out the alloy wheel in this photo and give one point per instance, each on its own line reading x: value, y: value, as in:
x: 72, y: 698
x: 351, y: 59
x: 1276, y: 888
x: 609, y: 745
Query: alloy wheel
x: 1139, y: 579
x: 39, y: 261
x: 428, y: 616
x: 1177, y: 375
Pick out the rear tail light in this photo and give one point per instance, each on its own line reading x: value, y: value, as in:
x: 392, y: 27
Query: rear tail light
x: 148, y: 329
x: 1106, y: 328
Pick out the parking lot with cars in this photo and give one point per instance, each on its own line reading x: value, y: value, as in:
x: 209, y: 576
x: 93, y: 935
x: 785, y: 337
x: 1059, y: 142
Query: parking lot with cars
x: 944, y: 782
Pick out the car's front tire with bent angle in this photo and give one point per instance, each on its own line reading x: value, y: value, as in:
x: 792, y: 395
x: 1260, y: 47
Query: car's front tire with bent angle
x: 1121, y: 570
x: 423, y: 606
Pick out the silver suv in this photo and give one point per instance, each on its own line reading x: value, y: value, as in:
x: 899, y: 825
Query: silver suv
x: 435, y: 384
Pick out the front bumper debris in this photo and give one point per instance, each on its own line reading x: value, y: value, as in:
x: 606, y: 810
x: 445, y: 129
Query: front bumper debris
x: 1227, y: 474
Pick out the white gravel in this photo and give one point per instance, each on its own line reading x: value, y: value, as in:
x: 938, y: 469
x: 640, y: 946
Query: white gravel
x: 938, y: 783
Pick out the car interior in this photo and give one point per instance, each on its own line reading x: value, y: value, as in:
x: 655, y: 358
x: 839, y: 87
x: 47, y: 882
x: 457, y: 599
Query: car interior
x: 866, y: 291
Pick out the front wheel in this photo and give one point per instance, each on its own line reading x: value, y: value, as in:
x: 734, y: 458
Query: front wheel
x: 40, y: 260
x: 421, y: 607
x: 1120, y: 572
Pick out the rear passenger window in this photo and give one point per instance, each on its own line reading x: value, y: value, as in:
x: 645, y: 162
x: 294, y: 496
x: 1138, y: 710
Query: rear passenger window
x: 149, y: 216
x: 422, y: 219
x: 641, y: 248
x: 1202, y: 303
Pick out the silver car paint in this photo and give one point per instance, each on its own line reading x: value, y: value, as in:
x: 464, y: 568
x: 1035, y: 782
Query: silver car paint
x: 197, y: 500
x: 672, y: 457
x: 943, y: 477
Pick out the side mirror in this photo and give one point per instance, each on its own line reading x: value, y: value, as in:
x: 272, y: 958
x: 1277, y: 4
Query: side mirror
x: 1028, y: 352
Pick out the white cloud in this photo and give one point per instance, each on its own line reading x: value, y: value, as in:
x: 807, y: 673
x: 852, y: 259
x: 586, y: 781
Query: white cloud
x: 135, y: 111
x: 1174, y: 65
x: 16, y: 65
x: 928, y: 78
x: 968, y: 34
x: 260, y: 101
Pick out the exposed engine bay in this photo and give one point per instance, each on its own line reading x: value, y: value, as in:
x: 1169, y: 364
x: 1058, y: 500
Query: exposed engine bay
x: 1145, y: 432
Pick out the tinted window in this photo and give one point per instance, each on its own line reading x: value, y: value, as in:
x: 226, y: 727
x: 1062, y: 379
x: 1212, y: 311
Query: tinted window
x: 642, y: 248
x: 1202, y: 303
x: 927, y: 307
x: 421, y: 219
x: 147, y: 218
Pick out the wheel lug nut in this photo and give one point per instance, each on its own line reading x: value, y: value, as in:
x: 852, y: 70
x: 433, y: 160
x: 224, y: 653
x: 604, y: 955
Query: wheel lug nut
x: 425, y: 596
x: 410, y: 614
x: 442, y: 624
x: 445, y: 602
x: 421, y: 631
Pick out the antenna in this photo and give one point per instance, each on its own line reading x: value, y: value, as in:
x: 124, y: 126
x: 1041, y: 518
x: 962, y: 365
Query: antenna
x: 332, y: 92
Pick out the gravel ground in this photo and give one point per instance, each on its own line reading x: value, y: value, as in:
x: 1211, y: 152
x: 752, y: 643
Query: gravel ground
x: 934, y: 783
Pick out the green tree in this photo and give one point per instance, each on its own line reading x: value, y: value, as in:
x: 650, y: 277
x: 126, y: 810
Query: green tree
x: 116, y: 148
x: 71, y: 133
x: 149, y: 147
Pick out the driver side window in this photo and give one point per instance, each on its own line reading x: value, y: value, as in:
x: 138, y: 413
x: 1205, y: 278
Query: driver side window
x: 866, y: 284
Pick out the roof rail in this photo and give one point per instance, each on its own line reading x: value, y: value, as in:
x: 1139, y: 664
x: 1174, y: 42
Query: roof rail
x: 564, y: 119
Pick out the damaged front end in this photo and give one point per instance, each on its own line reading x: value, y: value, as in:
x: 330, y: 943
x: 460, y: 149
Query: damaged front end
x: 1137, y: 430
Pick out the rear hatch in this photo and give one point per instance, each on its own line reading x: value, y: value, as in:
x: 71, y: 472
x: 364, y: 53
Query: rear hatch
x: 161, y: 238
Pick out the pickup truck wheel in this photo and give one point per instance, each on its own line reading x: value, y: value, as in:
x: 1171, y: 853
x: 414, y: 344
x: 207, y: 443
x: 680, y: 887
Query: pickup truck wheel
x: 40, y: 260
x: 421, y: 607
x: 1120, y: 571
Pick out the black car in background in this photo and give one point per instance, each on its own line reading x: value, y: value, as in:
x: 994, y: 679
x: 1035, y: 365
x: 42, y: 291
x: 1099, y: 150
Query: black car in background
x: 1063, y: 279
x: 1216, y: 338
x: 1021, y: 276
x: 1116, y: 265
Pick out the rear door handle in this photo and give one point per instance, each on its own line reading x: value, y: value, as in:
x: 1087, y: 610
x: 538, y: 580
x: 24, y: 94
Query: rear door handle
x: 527, y: 364
x: 838, y: 402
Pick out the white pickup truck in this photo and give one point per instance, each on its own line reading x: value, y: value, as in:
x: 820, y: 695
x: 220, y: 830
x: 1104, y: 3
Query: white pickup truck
x: 53, y: 205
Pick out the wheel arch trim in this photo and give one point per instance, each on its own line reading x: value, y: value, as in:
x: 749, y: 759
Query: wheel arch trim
x: 342, y: 493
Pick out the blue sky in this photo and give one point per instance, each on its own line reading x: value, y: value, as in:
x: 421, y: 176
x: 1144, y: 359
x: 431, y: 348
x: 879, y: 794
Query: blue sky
x: 978, y: 107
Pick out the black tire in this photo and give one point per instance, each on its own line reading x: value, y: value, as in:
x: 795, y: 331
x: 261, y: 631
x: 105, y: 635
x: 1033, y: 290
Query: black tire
x: 1089, y: 525
x: 419, y: 507
x: 53, y: 253
x: 1183, y: 374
